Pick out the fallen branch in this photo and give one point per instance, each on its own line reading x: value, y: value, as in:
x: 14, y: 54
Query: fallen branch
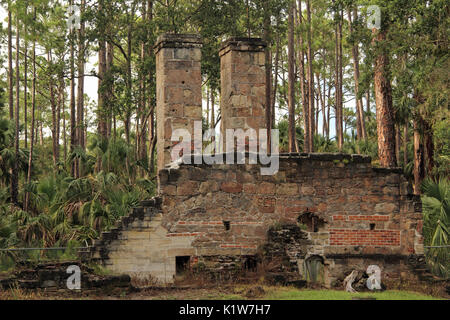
x: 348, y: 281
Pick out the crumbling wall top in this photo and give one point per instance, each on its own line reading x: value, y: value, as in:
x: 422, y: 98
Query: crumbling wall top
x: 242, y: 44
x: 172, y: 40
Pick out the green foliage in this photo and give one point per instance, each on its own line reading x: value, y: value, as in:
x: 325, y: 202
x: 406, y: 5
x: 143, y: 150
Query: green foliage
x: 436, y: 212
x: 71, y: 212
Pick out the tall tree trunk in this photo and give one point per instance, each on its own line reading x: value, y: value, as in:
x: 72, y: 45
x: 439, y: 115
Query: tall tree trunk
x: 338, y: 83
x: 429, y: 146
x: 208, y: 108
x: 291, y: 81
x: 64, y: 119
x: 419, y: 158
x: 405, y: 143
x: 101, y: 112
x: 129, y: 82
x: 328, y: 109
x: 213, y: 119
x: 73, y: 120
x: 303, y: 89
x: 80, y: 89
x: 275, y: 85
x: 385, y: 111
x: 322, y: 103
x: 310, y: 80
x: 15, y: 173
x: 110, y: 89
x: 11, y: 95
x: 398, y: 142
x: 54, y: 117
x: 268, y: 66
x: 10, y: 69
x: 25, y: 91
x: 151, y: 105
x: 142, y: 143
x: 58, y: 112
x: 101, y: 94
x: 33, y: 108
x: 368, y: 101
x: 360, y: 119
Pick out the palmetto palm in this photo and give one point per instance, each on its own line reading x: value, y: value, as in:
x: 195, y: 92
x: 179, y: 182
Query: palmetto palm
x: 436, y: 209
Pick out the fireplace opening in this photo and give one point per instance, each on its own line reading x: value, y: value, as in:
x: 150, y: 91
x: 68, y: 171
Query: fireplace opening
x: 250, y: 263
x: 182, y: 264
x: 312, y: 222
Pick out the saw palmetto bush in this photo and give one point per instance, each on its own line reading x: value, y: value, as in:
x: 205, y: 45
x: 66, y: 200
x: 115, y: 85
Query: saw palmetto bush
x: 65, y: 211
x: 436, y: 213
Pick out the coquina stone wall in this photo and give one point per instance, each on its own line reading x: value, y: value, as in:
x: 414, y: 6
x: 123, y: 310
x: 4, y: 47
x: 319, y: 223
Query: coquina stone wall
x: 352, y: 216
x: 361, y: 213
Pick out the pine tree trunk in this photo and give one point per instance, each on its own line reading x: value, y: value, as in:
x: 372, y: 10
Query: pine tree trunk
x: 310, y: 80
x: 151, y: 120
x: 33, y: 108
x: 142, y: 151
x: 15, y: 173
x: 303, y: 89
x: 360, y: 119
x: 368, y: 100
x: 268, y: 66
x: 10, y: 69
x: 73, y: 120
x: 397, y: 143
x: 322, y: 103
x: 385, y: 112
x: 25, y: 91
x: 429, y: 147
x: 110, y: 89
x: 405, y: 143
x: 54, y: 117
x: 213, y: 119
x: 338, y: 84
x: 275, y: 85
x: 419, y: 158
x: 11, y: 94
x: 291, y: 81
x: 80, y: 88
x: 101, y: 112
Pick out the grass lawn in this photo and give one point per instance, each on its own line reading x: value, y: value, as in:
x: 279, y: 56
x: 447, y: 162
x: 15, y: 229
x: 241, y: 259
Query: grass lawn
x: 341, y: 295
x: 277, y: 293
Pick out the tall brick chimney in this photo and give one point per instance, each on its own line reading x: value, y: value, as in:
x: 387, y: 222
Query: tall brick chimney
x: 243, y: 83
x: 178, y: 89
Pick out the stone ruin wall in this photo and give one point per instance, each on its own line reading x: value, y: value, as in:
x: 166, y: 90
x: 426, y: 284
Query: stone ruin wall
x: 220, y: 215
x: 367, y: 215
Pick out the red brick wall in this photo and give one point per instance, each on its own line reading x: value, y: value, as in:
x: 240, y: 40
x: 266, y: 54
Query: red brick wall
x: 345, y: 237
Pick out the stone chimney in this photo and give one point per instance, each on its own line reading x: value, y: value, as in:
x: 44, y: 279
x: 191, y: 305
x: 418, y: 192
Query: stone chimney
x: 243, y: 82
x: 178, y: 89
